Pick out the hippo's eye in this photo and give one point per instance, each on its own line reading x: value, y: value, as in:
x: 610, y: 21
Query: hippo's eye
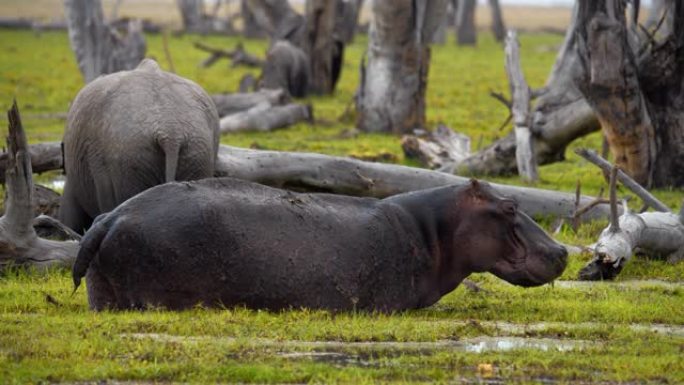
x: 509, y: 207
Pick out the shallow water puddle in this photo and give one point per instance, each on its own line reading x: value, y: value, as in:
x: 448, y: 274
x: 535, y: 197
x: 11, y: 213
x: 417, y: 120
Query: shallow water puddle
x: 329, y: 349
x: 523, y: 329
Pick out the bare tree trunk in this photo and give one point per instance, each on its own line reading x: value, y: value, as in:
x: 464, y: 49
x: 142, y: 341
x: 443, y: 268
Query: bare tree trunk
x: 276, y: 18
x: 19, y: 244
x: 639, y: 101
x: 498, y: 26
x: 100, y: 50
x: 227, y: 104
x: 320, y: 47
x: 559, y: 116
x: 192, y: 15
x: 391, y: 96
x: 347, y: 19
x: 466, y: 33
x: 520, y: 109
x: 250, y: 27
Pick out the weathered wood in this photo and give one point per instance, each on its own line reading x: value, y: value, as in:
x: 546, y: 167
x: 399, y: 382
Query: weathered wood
x: 44, y: 157
x: 559, y: 116
x: 630, y: 183
x: 320, y: 46
x: 316, y: 172
x: 638, y: 96
x: 466, y: 34
x: 658, y: 234
x: 440, y: 149
x: 19, y: 244
x: 99, y: 49
x: 391, y: 96
x: 227, y: 104
x: 498, y: 26
x: 266, y: 117
x: 347, y: 19
x: 520, y: 109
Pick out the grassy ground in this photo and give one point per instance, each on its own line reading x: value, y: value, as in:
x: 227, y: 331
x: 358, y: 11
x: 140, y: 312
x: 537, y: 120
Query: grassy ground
x: 48, y: 335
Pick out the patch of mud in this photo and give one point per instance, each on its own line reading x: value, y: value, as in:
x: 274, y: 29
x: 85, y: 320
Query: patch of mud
x: 628, y: 284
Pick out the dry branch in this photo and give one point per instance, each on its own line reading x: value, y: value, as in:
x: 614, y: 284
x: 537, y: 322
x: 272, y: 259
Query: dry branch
x: 636, y: 188
x: 520, y: 108
x: 651, y: 233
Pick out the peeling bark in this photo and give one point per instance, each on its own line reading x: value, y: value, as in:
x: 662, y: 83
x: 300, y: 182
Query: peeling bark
x: 391, y: 95
x: 639, y: 100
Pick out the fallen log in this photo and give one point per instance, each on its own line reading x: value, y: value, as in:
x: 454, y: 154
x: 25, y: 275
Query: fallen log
x: 19, y: 243
x: 317, y: 172
x: 238, y: 56
x: 656, y: 234
x: 266, y: 117
x: 440, y: 149
x: 227, y: 104
x: 44, y: 157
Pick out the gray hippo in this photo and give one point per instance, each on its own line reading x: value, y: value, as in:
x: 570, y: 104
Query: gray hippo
x: 227, y: 242
x: 132, y: 130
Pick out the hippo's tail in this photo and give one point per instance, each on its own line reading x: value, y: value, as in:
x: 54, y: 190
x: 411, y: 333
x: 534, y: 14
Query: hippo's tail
x: 90, y: 245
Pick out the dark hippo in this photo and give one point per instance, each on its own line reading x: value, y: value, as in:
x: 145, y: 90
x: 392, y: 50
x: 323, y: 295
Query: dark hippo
x: 226, y: 242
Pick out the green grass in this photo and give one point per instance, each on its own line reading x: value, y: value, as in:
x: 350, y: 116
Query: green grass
x: 41, y: 341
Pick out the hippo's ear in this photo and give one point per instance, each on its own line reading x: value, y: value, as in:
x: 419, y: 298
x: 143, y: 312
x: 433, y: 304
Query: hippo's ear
x: 474, y: 184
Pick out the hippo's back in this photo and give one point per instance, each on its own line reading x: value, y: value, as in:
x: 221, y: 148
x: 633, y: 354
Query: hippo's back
x: 233, y: 242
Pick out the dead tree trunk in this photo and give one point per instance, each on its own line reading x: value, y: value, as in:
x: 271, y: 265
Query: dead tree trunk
x: 498, y: 26
x: 19, y: 244
x: 275, y: 18
x: 465, y: 23
x: 320, y: 45
x: 391, y: 96
x: 100, y: 49
x: 265, y: 117
x: 639, y: 101
x: 559, y: 116
x: 191, y: 14
x: 520, y: 109
x: 347, y: 19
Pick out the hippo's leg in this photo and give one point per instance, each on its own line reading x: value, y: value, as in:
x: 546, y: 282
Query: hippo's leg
x: 100, y: 293
x: 72, y: 215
